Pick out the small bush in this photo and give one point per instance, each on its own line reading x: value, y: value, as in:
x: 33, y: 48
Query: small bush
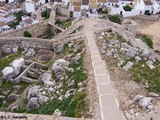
x: 147, y: 39
x: 46, y: 14
x: 27, y: 34
x: 115, y: 18
x: 105, y: 11
x: 127, y: 8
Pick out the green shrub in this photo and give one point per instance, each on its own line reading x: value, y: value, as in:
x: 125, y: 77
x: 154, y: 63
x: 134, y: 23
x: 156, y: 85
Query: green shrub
x: 105, y: 11
x: 27, y: 34
x: 147, y: 39
x: 115, y: 18
x: 45, y: 14
x: 127, y: 8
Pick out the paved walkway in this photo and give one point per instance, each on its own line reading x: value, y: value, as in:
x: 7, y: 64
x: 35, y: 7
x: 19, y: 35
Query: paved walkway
x: 109, y: 106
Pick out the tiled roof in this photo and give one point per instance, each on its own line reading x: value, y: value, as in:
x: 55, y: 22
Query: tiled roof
x: 113, y: 1
x: 77, y: 8
x: 77, y: 3
x: 148, y: 3
x: 101, y: 1
x: 29, y: 21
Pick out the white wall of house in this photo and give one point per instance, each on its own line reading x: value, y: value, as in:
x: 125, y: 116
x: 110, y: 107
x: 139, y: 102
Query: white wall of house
x: 116, y: 10
x: 148, y: 7
x: 65, y: 2
x: 140, y: 5
x: 84, y: 6
x: 9, y: 1
x: 76, y: 14
x: 42, y: 1
x: 133, y: 12
x: 30, y: 6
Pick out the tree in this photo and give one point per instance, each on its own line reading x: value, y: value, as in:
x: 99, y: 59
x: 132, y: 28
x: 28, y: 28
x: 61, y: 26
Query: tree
x: 105, y: 11
x: 46, y: 14
x: 127, y: 8
x: 27, y: 34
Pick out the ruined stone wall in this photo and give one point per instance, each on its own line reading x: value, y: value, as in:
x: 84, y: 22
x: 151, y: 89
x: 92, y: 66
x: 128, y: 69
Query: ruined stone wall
x: 63, y: 11
x: 25, y: 42
x: 36, y: 30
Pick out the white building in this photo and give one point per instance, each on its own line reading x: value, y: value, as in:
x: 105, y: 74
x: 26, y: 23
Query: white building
x: 30, y: 6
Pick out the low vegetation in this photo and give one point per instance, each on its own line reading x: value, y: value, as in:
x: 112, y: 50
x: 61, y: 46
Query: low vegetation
x: 64, y: 24
x: 115, y: 18
x: 46, y: 14
x: 148, y: 40
x: 127, y: 8
x: 27, y: 34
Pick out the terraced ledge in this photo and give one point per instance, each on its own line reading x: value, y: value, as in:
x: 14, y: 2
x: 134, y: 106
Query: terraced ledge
x: 24, y: 116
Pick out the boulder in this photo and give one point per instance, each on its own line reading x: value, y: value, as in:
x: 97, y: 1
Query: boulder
x: 146, y: 53
x: 75, y: 59
x: 58, y: 48
x: 138, y: 97
x: 16, y: 64
x: 152, y: 94
x: 13, y: 97
x: 2, y: 97
x: 128, y: 103
x: 128, y: 66
x: 145, y: 102
x: 131, y: 52
x: 33, y: 103
x: 42, y: 99
x: 47, y: 76
x: 59, y: 66
x: 14, y: 50
x: 137, y: 58
x: 33, y: 92
x: 123, y: 50
x: 31, y: 52
x: 8, y: 72
x: 109, y: 53
x: 120, y: 63
x: 125, y: 45
x: 150, y: 64
x: 57, y: 112
x: 17, y: 87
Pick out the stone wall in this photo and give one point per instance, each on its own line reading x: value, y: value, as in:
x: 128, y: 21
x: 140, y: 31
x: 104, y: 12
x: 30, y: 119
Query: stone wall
x: 37, y: 43
x: 36, y: 30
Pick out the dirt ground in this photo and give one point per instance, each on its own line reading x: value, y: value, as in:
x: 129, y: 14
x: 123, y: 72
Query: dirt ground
x: 150, y: 27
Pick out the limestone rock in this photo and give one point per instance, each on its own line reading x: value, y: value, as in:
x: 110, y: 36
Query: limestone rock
x: 145, y: 102
x: 17, y: 87
x: 128, y: 103
x: 146, y: 53
x: 16, y: 64
x: 8, y: 72
x: 42, y: 99
x: 13, y: 97
x: 150, y: 64
x: 33, y: 103
x: 33, y: 91
x: 57, y: 112
x: 152, y: 94
x: 128, y: 66
x: 31, y: 52
x: 138, y: 97
x: 120, y: 63
x: 2, y: 97
x: 59, y: 66
x: 137, y: 58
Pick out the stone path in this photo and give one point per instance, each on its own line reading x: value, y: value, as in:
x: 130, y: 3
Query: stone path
x: 109, y: 106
